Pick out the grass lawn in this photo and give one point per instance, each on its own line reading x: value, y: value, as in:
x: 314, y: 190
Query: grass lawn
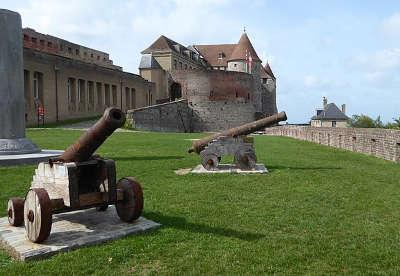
x: 319, y: 210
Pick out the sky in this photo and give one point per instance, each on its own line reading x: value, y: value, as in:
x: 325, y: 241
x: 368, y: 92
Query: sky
x: 348, y: 51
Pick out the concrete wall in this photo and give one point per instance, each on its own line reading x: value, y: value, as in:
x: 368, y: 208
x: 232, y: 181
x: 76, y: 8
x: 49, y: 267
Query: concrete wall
x: 173, y: 116
x: 136, y: 91
x: 382, y: 143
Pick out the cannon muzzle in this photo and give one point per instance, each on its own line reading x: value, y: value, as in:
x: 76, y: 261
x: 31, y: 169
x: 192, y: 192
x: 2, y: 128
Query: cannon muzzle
x: 199, y: 145
x: 89, y: 142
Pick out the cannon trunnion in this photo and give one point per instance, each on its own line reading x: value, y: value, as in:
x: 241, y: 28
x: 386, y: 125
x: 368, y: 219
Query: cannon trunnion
x: 77, y: 180
x: 234, y: 142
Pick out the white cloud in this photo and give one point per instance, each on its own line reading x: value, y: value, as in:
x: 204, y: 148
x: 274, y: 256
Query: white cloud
x: 381, y: 67
x: 391, y: 26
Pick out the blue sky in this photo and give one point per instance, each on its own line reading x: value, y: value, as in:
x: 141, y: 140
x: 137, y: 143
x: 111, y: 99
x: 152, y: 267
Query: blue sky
x: 348, y: 51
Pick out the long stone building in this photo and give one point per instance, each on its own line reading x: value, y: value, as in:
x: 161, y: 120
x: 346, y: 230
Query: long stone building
x: 220, y: 86
x: 68, y: 80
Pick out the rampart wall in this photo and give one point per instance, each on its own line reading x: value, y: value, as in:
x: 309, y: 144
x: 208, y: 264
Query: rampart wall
x: 382, y: 143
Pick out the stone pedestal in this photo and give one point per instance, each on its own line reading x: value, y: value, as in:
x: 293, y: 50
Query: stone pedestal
x: 12, y: 99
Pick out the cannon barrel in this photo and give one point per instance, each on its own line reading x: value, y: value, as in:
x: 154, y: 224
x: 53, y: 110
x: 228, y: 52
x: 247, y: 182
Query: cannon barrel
x: 199, y: 145
x: 89, y: 142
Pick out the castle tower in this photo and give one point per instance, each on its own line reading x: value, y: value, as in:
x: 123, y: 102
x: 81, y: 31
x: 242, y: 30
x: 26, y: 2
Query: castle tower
x: 244, y: 58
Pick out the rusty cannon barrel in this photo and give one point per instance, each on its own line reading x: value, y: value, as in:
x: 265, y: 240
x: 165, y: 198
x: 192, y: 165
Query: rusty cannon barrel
x: 89, y: 142
x: 199, y: 145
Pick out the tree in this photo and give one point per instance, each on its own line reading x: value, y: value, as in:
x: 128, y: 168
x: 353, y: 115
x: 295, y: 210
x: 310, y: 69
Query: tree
x: 362, y: 121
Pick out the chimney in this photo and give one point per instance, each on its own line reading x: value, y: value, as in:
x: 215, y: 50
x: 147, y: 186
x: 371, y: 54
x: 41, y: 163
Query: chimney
x: 324, y: 102
x: 344, y: 108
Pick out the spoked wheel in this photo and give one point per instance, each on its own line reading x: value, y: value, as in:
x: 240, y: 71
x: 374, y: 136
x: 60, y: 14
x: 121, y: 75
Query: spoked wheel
x: 131, y: 206
x: 15, y: 211
x: 37, y: 215
x: 209, y: 161
x: 245, y: 159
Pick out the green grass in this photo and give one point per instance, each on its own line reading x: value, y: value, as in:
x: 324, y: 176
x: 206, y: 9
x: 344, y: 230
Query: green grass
x: 319, y: 211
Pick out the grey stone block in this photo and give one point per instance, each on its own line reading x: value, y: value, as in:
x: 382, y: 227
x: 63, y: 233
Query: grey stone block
x: 70, y: 231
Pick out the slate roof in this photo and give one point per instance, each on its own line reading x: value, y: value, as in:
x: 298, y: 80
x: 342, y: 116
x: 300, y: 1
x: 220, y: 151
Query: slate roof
x: 149, y: 62
x: 330, y: 112
x: 162, y: 44
x: 211, y: 53
x: 266, y: 72
x: 244, y: 45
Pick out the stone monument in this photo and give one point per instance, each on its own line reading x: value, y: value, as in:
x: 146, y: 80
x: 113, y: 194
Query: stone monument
x: 12, y: 99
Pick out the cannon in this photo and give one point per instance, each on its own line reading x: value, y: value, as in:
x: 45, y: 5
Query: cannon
x: 234, y: 142
x: 76, y: 180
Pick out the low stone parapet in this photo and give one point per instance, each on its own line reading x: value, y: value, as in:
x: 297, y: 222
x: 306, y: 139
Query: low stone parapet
x: 382, y: 143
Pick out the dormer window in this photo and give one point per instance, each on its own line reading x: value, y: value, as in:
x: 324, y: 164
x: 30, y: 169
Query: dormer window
x: 221, y: 55
x: 177, y: 48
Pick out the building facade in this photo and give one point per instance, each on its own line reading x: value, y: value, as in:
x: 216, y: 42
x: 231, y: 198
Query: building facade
x: 68, y: 80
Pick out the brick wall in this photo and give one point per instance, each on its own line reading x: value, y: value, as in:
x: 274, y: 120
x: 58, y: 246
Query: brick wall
x: 382, y: 143
x: 172, y: 116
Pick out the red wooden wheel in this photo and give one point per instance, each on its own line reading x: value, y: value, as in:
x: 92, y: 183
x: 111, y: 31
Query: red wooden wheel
x: 131, y: 206
x: 37, y: 215
x: 15, y: 211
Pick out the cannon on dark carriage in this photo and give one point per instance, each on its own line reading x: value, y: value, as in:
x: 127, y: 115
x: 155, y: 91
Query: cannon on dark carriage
x: 76, y: 180
x: 234, y: 142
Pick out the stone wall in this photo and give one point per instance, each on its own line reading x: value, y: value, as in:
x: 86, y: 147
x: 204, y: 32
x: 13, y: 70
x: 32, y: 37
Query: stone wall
x: 223, y: 99
x: 382, y: 143
x: 173, y: 116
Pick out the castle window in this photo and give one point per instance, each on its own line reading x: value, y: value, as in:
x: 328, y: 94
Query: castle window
x: 98, y: 57
x: 264, y: 80
x: 71, y: 90
x: 49, y: 44
x: 81, y: 91
x: 99, y: 94
x: 180, y: 65
x: 114, y: 95
x: 133, y: 98
x: 333, y: 123
x: 107, y: 94
x: 127, y: 98
x: 77, y: 52
x: 37, y: 86
x: 34, y: 40
x: 42, y: 42
x: 91, y: 93
x: 26, y: 37
x: 91, y: 55
x: 186, y: 67
x: 69, y: 50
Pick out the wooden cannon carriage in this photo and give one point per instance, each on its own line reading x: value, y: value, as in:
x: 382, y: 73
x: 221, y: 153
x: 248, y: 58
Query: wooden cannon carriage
x: 234, y: 142
x: 77, y: 180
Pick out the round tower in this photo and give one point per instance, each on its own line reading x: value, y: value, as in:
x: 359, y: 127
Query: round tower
x: 244, y: 58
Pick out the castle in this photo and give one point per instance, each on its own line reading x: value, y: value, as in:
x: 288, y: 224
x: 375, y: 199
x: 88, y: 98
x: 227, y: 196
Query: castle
x: 220, y: 86
x: 195, y: 88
